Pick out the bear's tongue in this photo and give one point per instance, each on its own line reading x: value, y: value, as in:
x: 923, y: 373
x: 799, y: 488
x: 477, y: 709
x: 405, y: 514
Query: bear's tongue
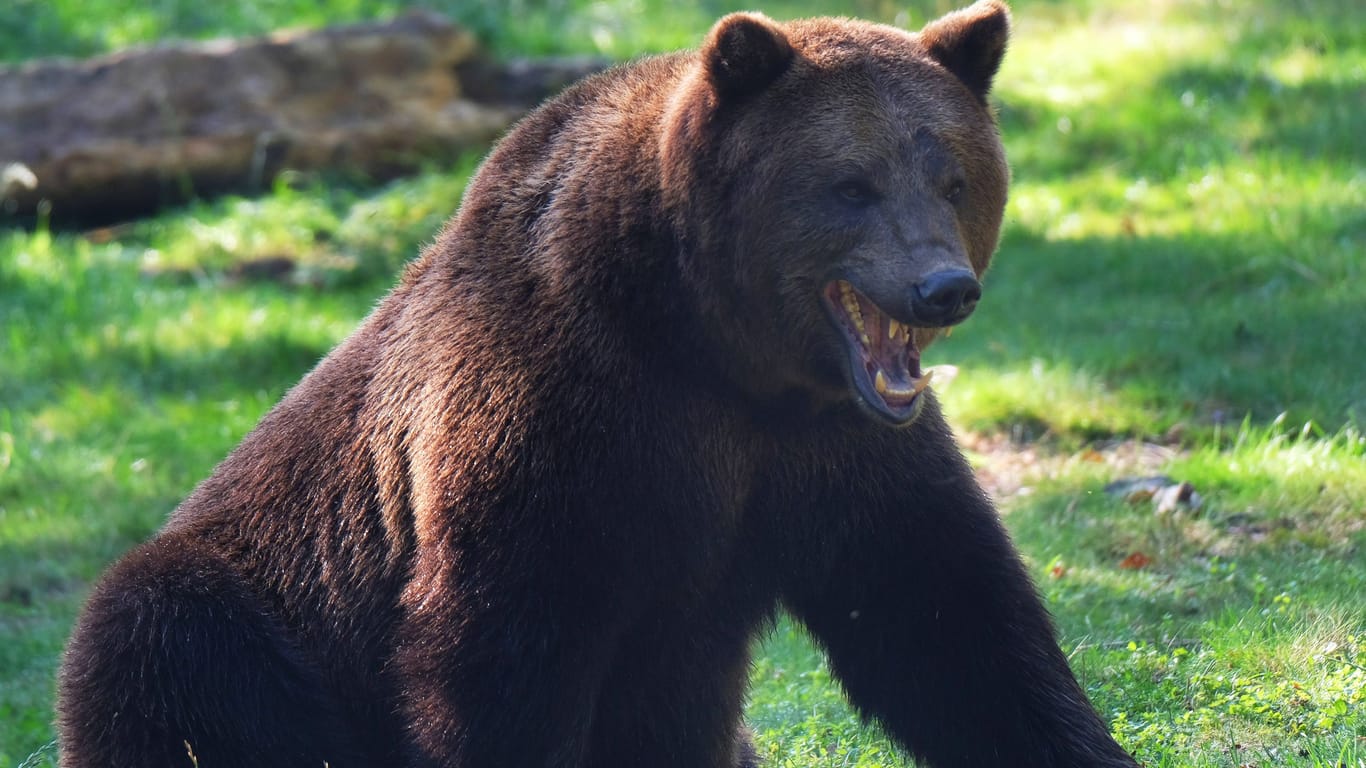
x: 883, y: 357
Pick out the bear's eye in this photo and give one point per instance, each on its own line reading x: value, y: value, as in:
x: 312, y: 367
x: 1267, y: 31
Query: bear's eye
x: 954, y: 192
x: 856, y: 191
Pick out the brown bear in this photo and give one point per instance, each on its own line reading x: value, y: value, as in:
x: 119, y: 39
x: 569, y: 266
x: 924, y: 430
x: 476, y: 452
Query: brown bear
x: 658, y: 380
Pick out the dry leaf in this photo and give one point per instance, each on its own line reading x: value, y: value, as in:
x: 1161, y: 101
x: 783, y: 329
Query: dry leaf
x: 1135, y: 561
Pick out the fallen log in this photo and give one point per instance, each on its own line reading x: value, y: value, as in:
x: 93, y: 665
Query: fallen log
x: 125, y: 134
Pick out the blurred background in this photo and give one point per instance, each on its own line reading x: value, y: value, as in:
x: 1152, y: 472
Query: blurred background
x: 1164, y: 386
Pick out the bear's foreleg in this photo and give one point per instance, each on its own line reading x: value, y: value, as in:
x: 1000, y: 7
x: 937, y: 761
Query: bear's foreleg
x: 930, y: 619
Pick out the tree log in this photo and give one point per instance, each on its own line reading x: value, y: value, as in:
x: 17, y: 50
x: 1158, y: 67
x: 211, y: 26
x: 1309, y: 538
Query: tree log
x: 125, y: 134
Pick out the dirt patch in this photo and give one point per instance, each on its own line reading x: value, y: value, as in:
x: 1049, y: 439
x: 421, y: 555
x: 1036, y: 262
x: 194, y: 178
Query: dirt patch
x: 1009, y: 469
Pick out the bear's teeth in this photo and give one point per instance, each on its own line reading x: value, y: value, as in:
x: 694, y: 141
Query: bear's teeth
x: 884, y: 387
x: 924, y: 381
x: 897, y: 330
x: 851, y: 307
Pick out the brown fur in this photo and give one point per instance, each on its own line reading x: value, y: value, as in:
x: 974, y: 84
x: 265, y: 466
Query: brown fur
x: 535, y: 510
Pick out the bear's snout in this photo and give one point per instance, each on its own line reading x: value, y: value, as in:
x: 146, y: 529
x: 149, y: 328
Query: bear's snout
x: 945, y: 298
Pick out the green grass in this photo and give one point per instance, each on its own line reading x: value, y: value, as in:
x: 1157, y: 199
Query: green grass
x: 1180, y: 290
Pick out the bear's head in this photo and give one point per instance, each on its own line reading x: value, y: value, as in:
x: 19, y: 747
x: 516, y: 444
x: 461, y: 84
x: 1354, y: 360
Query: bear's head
x: 838, y: 187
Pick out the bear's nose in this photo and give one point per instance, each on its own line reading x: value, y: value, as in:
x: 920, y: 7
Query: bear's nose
x: 945, y: 298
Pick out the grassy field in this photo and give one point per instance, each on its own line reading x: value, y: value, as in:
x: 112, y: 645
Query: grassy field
x: 1181, y: 290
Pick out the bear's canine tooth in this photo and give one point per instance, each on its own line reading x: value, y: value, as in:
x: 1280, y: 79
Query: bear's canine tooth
x: 880, y: 383
x: 893, y: 328
x: 923, y: 382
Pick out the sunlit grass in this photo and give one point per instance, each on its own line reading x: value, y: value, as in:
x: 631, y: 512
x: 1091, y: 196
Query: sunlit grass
x: 1239, y: 638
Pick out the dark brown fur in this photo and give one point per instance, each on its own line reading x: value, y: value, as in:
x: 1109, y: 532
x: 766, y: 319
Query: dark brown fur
x: 534, y: 511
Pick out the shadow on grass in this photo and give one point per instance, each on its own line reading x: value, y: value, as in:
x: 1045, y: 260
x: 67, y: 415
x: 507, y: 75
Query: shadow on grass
x: 1191, y: 327
x: 1315, y: 119
x: 38, y: 27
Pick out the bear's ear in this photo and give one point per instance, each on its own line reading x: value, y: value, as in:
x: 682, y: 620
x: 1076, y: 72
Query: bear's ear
x: 970, y: 43
x: 743, y: 53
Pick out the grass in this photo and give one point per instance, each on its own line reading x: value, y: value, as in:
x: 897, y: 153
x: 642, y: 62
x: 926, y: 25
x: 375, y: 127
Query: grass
x: 1180, y: 290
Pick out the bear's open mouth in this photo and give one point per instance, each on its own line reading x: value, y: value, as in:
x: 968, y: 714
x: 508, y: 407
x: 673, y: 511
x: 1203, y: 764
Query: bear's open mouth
x: 883, y: 359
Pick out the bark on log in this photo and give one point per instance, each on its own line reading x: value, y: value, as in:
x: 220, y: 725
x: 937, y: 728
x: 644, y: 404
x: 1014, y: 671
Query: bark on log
x: 124, y: 134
